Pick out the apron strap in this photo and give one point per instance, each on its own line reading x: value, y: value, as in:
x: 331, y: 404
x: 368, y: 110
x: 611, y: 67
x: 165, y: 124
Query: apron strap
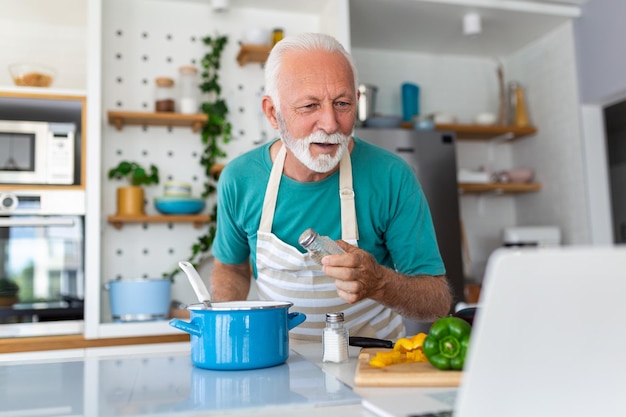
x: 349, y: 228
x: 271, y: 191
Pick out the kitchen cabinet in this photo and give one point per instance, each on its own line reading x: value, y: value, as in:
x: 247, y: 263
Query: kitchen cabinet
x: 51, y: 106
x: 489, y: 132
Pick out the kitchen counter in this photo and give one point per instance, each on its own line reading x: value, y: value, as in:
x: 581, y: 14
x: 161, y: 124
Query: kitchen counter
x: 159, y: 380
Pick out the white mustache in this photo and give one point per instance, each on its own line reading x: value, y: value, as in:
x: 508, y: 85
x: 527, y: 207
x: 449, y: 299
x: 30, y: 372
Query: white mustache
x: 321, y: 137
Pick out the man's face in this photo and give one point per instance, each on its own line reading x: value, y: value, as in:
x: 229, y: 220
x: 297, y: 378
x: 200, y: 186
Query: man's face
x: 317, y: 107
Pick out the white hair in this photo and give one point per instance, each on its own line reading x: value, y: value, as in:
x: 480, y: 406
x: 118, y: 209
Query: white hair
x: 300, y: 42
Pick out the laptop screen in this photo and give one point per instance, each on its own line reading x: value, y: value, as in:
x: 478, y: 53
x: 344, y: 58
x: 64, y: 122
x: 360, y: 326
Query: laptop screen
x: 549, y: 338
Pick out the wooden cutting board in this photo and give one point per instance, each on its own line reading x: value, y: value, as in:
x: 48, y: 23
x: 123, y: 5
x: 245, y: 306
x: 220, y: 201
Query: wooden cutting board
x: 418, y: 374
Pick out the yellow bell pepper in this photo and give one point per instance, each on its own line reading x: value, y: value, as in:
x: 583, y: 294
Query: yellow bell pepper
x: 382, y: 359
x: 405, y: 350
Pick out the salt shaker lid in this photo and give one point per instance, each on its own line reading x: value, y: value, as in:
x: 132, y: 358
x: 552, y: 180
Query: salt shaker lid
x: 334, y: 317
x: 307, y: 237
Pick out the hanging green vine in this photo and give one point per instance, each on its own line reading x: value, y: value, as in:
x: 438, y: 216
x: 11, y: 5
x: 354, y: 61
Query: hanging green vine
x: 216, y: 130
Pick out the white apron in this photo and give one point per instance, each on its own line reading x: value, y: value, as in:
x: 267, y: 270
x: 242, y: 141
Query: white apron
x: 286, y: 274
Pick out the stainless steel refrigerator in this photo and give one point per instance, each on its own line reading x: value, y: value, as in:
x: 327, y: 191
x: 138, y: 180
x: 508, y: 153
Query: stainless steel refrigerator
x: 432, y: 155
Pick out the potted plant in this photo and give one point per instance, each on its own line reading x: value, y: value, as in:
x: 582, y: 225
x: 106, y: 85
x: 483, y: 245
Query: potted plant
x: 130, y: 199
x: 8, y: 292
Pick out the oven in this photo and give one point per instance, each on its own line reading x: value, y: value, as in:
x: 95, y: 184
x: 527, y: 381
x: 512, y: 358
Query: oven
x: 42, y: 252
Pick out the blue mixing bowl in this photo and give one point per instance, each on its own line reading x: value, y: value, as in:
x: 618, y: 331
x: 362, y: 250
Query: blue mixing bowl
x: 179, y: 205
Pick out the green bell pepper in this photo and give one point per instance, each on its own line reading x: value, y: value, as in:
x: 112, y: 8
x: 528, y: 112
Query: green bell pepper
x: 446, y: 344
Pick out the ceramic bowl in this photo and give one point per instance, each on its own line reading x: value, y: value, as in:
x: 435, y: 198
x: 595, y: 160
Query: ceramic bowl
x: 177, y: 188
x: 520, y: 175
x: 485, y: 119
x: 257, y: 36
x: 179, y: 205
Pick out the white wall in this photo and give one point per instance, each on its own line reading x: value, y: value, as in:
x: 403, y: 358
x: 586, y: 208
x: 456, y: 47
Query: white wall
x: 600, y: 33
x: 557, y: 149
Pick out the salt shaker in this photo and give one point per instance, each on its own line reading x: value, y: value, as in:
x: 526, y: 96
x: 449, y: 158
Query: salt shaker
x: 319, y: 246
x: 335, y: 339
x: 188, y: 89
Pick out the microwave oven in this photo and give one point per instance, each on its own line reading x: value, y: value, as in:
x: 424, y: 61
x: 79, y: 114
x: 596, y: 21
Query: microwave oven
x: 34, y: 153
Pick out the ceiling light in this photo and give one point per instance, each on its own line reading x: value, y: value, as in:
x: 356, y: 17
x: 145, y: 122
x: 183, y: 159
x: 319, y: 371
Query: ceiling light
x: 472, y: 24
x: 220, y: 5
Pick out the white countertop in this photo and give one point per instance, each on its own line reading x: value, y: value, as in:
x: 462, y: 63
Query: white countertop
x: 159, y: 380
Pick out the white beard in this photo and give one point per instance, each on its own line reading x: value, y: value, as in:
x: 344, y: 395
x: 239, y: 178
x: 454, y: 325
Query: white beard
x: 300, y: 147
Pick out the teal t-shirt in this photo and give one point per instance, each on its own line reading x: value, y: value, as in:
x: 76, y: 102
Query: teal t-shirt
x: 393, y: 217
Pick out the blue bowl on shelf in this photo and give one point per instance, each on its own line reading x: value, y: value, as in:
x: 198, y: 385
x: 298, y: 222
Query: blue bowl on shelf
x: 179, y: 205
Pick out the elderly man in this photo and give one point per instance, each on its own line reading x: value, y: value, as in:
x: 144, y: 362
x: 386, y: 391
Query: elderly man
x: 317, y: 175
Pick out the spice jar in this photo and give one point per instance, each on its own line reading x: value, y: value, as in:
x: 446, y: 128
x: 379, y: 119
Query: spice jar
x: 164, y: 95
x: 318, y: 246
x: 188, y: 89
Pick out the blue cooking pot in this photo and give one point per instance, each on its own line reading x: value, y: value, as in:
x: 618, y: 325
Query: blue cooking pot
x: 237, y: 335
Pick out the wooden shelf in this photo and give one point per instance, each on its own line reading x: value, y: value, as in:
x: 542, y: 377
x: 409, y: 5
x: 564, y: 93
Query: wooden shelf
x: 482, y: 132
x: 35, y: 344
x: 197, y: 219
x: 498, y: 188
x: 253, y: 53
x: 41, y: 187
x: 121, y: 118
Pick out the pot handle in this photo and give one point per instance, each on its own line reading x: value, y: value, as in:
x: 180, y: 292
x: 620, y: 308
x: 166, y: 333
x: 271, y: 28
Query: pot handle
x: 185, y: 326
x: 294, y: 319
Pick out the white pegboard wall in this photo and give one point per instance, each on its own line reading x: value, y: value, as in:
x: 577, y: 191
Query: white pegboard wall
x: 145, y: 39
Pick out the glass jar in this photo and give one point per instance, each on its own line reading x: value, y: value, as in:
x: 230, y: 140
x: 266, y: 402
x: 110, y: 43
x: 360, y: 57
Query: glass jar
x: 518, y: 115
x: 335, y: 339
x: 318, y: 246
x: 188, y: 79
x: 277, y: 35
x: 164, y: 95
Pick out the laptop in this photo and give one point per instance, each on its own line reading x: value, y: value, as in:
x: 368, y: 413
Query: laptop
x: 549, y: 339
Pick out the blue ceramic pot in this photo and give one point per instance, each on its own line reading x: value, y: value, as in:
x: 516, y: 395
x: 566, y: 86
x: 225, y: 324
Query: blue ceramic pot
x: 239, y: 335
x: 140, y: 299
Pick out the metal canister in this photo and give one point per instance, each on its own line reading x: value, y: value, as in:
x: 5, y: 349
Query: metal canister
x: 367, y: 102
